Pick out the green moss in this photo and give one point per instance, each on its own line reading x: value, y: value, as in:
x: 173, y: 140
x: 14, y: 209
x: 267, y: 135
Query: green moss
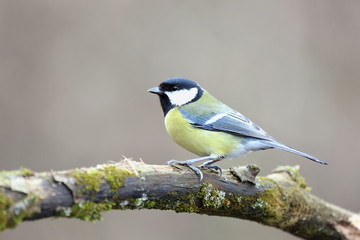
x: 144, y: 202
x: 115, y: 176
x: 211, y: 196
x: 26, y: 172
x: 7, y: 176
x: 88, y: 211
x: 139, y: 202
x: 88, y: 180
x: 179, y: 204
x: 293, y: 171
x: 188, y: 204
x: 12, y: 213
x: 277, y: 205
x: 150, y: 204
x: 5, y: 203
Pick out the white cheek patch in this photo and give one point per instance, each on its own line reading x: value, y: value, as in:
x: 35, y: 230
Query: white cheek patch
x: 182, y: 97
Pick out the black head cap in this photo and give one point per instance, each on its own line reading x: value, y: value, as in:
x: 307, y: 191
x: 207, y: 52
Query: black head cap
x: 175, y: 84
x: 172, y: 85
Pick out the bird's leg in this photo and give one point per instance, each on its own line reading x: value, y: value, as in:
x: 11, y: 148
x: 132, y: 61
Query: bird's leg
x: 209, y: 165
x: 189, y: 163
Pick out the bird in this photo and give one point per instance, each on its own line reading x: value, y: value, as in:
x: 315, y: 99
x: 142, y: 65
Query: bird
x: 203, y: 125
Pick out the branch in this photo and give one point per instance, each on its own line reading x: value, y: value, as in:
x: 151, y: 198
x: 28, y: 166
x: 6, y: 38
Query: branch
x: 281, y: 199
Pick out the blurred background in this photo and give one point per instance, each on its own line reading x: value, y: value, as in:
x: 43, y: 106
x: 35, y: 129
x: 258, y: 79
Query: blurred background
x: 73, y: 92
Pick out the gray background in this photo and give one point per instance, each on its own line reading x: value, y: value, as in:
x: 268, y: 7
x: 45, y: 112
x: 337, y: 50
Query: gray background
x: 74, y: 75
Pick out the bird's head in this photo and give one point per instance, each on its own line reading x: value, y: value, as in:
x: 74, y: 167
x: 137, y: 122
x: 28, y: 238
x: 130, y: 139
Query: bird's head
x: 177, y: 92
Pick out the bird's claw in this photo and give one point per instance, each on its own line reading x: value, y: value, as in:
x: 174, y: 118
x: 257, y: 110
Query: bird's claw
x: 171, y: 162
x: 214, y: 167
x: 184, y: 163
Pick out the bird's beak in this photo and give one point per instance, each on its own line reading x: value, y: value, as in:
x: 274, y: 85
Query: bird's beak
x: 155, y: 90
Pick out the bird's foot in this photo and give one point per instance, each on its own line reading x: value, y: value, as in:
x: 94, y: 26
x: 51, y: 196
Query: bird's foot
x: 187, y: 164
x: 213, y: 167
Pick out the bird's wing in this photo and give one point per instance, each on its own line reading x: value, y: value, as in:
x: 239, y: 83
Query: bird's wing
x: 236, y: 123
x: 231, y: 122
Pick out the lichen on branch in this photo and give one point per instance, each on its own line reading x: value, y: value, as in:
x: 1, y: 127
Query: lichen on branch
x: 281, y: 199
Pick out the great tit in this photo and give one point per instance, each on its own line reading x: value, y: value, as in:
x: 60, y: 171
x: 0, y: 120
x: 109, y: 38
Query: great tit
x: 200, y: 123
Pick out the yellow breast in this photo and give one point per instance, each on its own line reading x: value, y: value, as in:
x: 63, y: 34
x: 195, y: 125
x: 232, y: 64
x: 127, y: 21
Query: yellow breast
x: 196, y: 140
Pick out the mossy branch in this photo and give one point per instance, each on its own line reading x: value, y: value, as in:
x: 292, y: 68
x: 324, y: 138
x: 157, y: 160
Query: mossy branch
x: 281, y: 199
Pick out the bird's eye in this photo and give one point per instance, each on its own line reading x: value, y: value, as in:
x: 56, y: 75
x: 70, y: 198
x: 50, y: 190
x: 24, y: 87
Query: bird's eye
x: 174, y: 88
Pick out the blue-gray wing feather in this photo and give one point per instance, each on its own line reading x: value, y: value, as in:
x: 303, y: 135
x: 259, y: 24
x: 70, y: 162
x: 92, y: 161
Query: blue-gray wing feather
x: 238, y: 124
x: 232, y: 122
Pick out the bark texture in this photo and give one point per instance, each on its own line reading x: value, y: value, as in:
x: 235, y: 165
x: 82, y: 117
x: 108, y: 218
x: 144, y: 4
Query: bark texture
x: 281, y: 199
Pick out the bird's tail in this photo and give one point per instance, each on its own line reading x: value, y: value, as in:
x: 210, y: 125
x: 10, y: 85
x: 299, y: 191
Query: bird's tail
x: 281, y: 146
